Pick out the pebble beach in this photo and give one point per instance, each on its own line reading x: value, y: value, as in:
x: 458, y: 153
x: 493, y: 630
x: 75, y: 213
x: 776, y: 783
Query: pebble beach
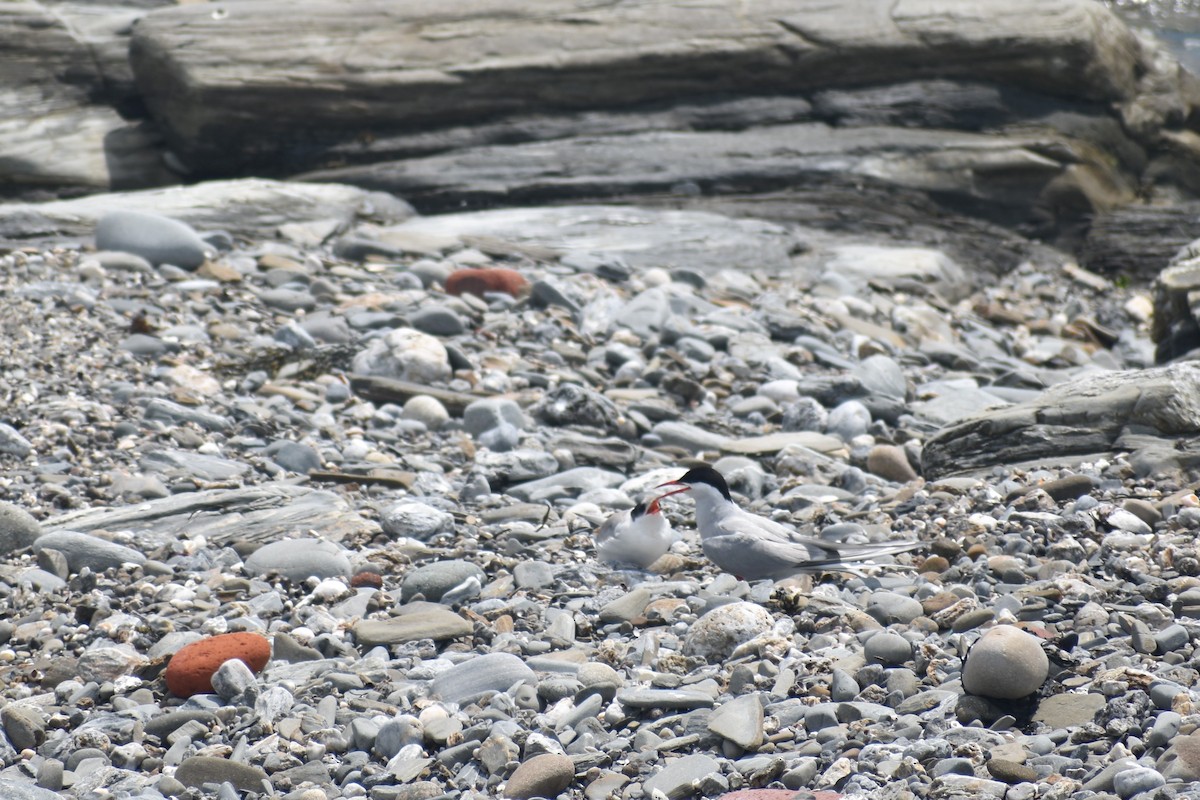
x: 199, y: 453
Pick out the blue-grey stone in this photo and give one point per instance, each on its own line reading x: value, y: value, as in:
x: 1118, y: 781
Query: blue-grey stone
x: 848, y: 420
x: 18, y: 528
x: 83, y: 550
x: 886, y: 647
x: 437, y: 320
x: 1136, y: 780
x: 484, y: 415
x: 158, y: 239
x: 297, y: 559
x: 493, y: 672
x: 293, y: 456
x: 432, y: 581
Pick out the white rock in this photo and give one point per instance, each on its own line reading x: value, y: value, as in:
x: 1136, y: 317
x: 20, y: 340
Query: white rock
x: 407, y: 355
x: 427, y: 410
x: 716, y: 634
x: 415, y: 519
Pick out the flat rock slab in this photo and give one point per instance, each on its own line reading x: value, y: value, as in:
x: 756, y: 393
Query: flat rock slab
x: 1007, y: 172
x: 418, y: 621
x: 641, y: 238
x: 277, y: 82
x: 250, y: 207
x: 262, y: 514
x: 1081, y: 417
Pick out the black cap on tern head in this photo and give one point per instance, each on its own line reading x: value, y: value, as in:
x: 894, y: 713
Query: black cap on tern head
x: 710, y: 476
x: 638, y: 511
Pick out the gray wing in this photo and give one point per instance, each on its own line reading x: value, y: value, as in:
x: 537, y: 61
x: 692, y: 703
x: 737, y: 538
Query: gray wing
x: 609, y: 529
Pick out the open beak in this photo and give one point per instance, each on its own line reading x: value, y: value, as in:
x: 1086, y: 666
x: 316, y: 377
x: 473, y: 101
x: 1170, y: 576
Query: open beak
x: 683, y: 487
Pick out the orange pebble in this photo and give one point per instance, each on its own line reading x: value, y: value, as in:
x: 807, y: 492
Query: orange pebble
x: 191, y: 669
x: 481, y: 281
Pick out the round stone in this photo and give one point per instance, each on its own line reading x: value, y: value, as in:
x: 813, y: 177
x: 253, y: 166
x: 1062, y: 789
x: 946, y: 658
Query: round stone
x: 158, y: 239
x: 431, y: 581
x: 545, y: 775
x: 297, y: 559
x: 18, y: 528
x: 888, y: 648
x: 1006, y: 664
x: 427, y: 410
x: 415, y: 519
x: 407, y: 355
x: 719, y: 632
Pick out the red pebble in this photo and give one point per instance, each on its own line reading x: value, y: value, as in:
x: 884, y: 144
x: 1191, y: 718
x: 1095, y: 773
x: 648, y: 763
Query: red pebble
x: 190, y: 670
x: 372, y: 579
x: 481, y: 281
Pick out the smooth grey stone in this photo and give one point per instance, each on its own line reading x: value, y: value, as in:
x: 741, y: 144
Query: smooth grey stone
x: 24, y: 726
x: 83, y: 550
x: 437, y: 320
x: 842, y: 686
x: 174, y: 413
x: 288, y: 299
x: 1172, y: 638
x: 501, y: 439
x: 412, y: 621
x: 740, y: 721
x: 547, y: 292
x: 396, y: 734
x: 145, y: 345
x: 13, y: 443
x: 484, y: 415
x: 1006, y: 663
x: 1163, y: 693
x: 50, y: 775
x: 672, y: 699
x: 848, y: 420
x: 158, y: 239
x: 1166, y: 726
x: 163, y: 725
x: 337, y: 392
x: 18, y: 528
x: 953, y: 766
x: 295, y: 337
x: 544, y: 775
x: 1136, y: 780
x: 678, y: 777
x: 887, y: 648
x: 233, y: 680
x: 196, y: 771
x: 411, y: 518
x: 492, y: 672
x: 297, y: 559
x: 689, y: 437
x: 285, y: 648
x: 889, y: 607
x: 293, y: 456
x: 84, y: 754
x: 882, y: 375
x: 327, y: 329
x: 433, y: 580
x: 533, y: 574
x: 516, y: 466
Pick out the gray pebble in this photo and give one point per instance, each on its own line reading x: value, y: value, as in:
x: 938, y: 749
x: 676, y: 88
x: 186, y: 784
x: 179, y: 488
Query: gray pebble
x: 158, y: 239
x: 297, y: 559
